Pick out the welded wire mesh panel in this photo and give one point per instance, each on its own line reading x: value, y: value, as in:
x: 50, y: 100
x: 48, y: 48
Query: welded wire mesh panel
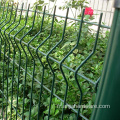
x: 49, y: 67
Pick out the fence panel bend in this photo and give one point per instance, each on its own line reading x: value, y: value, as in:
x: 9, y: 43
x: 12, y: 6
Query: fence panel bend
x: 49, y: 64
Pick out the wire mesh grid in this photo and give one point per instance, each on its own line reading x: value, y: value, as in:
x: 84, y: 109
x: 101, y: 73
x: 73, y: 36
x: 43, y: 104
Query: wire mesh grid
x: 40, y: 69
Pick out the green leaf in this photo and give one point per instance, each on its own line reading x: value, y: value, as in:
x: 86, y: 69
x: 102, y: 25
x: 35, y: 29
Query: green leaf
x: 73, y: 43
x: 52, y: 109
x: 66, y: 44
x: 41, y: 2
x: 56, y: 112
x: 33, y: 111
x: 87, y: 17
x: 46, y: 111
x: 46, y: 118
x: 26, y: 114
x: 60, y: 76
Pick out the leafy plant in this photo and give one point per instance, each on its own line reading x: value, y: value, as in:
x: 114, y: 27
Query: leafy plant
x: 91, y: 69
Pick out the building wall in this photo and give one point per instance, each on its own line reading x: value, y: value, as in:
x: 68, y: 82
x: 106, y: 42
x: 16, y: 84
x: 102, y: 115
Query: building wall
x: 104, y: 6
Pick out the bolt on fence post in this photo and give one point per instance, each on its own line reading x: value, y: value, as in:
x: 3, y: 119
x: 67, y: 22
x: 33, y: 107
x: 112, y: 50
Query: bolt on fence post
x: 108, y: 94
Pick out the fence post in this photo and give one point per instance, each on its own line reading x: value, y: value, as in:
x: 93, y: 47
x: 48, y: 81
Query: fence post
x: 109, y: 87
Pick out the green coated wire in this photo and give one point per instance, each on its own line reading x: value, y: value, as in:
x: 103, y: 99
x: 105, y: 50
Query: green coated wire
x: 47, y: 59
x: 78, y: 39
x: 3, y: 61
x: 96, y: 85
x: 8, y: 58
x: 8, y: 20
x: 53, y: 59
x: 28, y: 46
x: 5, y: 15
x: 26, y: 61
x: 88, y: 22
x: 19, y: 58
x: 72, y: 70
x: 93, y: 51
x: 10, y: 25
x: 8, y: 55
x: 42, y: 62
x: 0, y: 36
x: 74, y: 110
x: 14, y: 57
x: 4, y: 38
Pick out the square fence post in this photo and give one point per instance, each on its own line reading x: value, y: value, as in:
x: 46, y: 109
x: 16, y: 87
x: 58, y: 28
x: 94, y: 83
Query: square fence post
x: 108, y: 94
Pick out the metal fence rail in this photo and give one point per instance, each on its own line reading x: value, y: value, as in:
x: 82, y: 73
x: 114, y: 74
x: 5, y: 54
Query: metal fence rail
x: 11, y: 46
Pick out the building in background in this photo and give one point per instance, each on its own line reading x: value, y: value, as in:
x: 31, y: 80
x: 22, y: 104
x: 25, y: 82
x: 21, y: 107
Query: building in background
x: 99, y: 6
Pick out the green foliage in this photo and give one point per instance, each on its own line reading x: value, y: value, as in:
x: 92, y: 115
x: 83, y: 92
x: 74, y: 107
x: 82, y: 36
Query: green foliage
x: 74, y: 4
x: 92, y: 69
x: 40, y: 4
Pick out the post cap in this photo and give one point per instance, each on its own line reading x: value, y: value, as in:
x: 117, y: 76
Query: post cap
x: 116, y: 4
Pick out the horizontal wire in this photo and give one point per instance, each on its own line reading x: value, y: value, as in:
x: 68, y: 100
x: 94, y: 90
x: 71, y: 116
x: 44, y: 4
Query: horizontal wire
x: 56, y: 61
x: 91, y: 23
x: 94, y: 83
x: 48, y: 89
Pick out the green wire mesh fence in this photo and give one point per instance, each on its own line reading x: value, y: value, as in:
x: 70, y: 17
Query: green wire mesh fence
x: 40, y: 70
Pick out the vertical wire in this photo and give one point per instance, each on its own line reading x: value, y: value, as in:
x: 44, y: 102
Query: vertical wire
x: 0, y: 36
x: 89, y: 56
x: 26, y: 63
x: 3, y: 63
x: 8, y: 58
x: 96, y: 84
x: 33, y: 72
x: 6, y: 15
x: 20, y: 57
x: 78, y: 39
x: 14, y: 59
x: 38, y: 117
x: 47, y: 58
